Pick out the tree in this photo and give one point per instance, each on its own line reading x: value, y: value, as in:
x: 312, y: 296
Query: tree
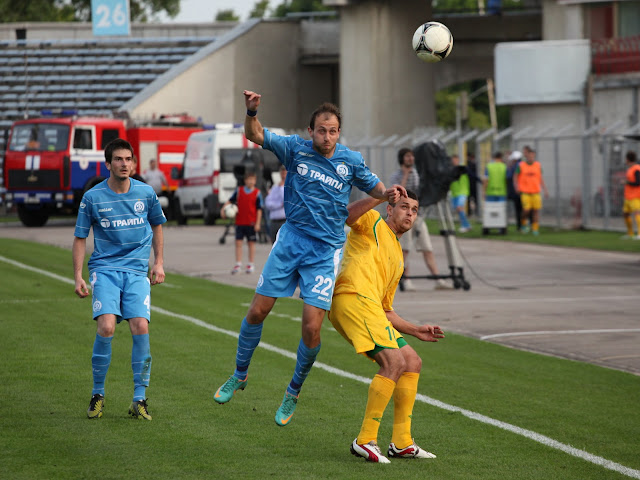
x: 227, y: 16
x: 78, y: 10
x: 36, y: 11
x: 259, y: 9
x: 299, y: 6
x: 471, y: 6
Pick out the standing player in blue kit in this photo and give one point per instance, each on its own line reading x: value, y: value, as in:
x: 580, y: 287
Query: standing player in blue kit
x: 127, y: 219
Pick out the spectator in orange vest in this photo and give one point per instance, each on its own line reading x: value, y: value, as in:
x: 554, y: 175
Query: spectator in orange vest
x: 631, y: 205
x: 528, y: 181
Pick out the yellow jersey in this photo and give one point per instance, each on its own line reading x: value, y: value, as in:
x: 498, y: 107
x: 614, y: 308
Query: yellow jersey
x: 372, y: 263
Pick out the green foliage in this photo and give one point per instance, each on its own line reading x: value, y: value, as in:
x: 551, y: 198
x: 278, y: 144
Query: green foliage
x: 78, y: 10
x: 478, y: 107
x: 471, y: 6
x: 446, y: 112
x: 227, y: 16
x: 36, y: 11
x: 259, y: 9
x: 299, y: 6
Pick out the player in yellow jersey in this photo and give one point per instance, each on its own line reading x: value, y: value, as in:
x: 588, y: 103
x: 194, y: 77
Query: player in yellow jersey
x: 362, y: 312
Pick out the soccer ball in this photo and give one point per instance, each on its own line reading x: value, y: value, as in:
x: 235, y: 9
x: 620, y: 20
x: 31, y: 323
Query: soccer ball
x: 230, y: 211
x: 432, y: 42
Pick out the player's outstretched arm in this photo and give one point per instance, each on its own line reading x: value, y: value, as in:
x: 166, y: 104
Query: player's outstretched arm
x: 360, y: 207
x: 78, y: 251
x: 426, y: 333
x: 156, y: 275
x: 252, y: 127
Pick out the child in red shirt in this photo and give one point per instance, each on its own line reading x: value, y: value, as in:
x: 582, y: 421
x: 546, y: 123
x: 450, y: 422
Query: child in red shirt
x: 248, y: 219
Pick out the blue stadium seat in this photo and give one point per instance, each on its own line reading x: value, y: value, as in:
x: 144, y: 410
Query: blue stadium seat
x: 93, y: 76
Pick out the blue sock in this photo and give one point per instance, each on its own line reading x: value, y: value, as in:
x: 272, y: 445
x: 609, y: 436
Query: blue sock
x: 306, y: 358
x: 141, y: 365
x: 248, y: 340
x: 100, y: 361
x: 464, y: 223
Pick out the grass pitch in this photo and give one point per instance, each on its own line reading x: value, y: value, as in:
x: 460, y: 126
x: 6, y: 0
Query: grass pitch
x: 45, y: 386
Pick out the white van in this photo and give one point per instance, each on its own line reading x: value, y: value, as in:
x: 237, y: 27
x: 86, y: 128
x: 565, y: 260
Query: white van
x: 215, y: 162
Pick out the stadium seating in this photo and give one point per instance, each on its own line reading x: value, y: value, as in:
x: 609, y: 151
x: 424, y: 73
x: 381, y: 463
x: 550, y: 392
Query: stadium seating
x: 93, y: 77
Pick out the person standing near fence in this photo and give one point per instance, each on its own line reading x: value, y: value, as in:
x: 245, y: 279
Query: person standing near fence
x: 248, y: 219
x: 459, y: 194
x: 408, y: 177
x: 528, y: 181
x: 495, y: 181
x: 155, y: 177
x: 631, y: 207
x: 274, y: 205
x: 512, y: 193
x: 474, y: 179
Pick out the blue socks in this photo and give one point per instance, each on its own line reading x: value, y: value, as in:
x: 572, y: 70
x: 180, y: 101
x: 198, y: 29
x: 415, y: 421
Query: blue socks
x: 464, y: 222
x: 248, y: 341
x: 141, y: 365
x: 100, y: 361
x: 306, y: 358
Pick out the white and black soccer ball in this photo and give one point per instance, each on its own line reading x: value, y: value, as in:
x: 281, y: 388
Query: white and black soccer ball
x: 230, y: 211
x: 432, y: 42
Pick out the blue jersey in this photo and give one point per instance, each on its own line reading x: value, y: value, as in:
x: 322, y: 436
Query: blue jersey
x: 317, y: 189
x: 121, y: 226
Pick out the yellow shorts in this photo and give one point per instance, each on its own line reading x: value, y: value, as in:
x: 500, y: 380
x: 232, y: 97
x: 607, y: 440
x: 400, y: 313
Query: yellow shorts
x: 362, y: 323
x: 632, y: 205
x: 531, y: 201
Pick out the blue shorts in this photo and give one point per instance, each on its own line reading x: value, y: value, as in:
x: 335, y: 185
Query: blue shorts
x: 297, y: 260
x: 459, y: 201
x: 126, y: 295
x: 247, y: 231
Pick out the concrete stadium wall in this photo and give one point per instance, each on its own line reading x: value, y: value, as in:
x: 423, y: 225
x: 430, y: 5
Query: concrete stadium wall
x: 83, y: 31
x: 562, y: 22
x: 204, y: 90
x: 610, y: 105
x: 475, y: 38
x: 384, y: 88
x: 265, y: 59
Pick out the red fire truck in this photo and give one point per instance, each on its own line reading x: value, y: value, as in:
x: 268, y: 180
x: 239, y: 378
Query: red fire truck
x: 50, y: 162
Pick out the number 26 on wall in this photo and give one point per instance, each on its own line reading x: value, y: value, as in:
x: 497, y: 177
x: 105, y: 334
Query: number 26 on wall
x: 110, y: 17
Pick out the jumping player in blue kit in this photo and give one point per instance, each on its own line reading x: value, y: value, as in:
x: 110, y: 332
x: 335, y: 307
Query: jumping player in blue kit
x: 127, y: 219
x: 308, y: 247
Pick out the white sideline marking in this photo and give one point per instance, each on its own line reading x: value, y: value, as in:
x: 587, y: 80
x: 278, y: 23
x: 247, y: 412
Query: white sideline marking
x: 559, y: 332
x: 547, y: 441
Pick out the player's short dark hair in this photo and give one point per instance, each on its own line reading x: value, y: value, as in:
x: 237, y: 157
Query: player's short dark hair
x: 412, y: 195
x: 631, y: 156
x: 497, y: 155
x: 116, y: 144
x: 401, y: 153
x: 325, y: 107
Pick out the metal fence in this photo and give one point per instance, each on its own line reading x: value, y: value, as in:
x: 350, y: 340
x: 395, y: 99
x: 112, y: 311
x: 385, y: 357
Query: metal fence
x: 584, y: 172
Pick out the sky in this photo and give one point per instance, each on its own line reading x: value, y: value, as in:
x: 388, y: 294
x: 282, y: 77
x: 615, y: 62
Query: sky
x: 206, y: 10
